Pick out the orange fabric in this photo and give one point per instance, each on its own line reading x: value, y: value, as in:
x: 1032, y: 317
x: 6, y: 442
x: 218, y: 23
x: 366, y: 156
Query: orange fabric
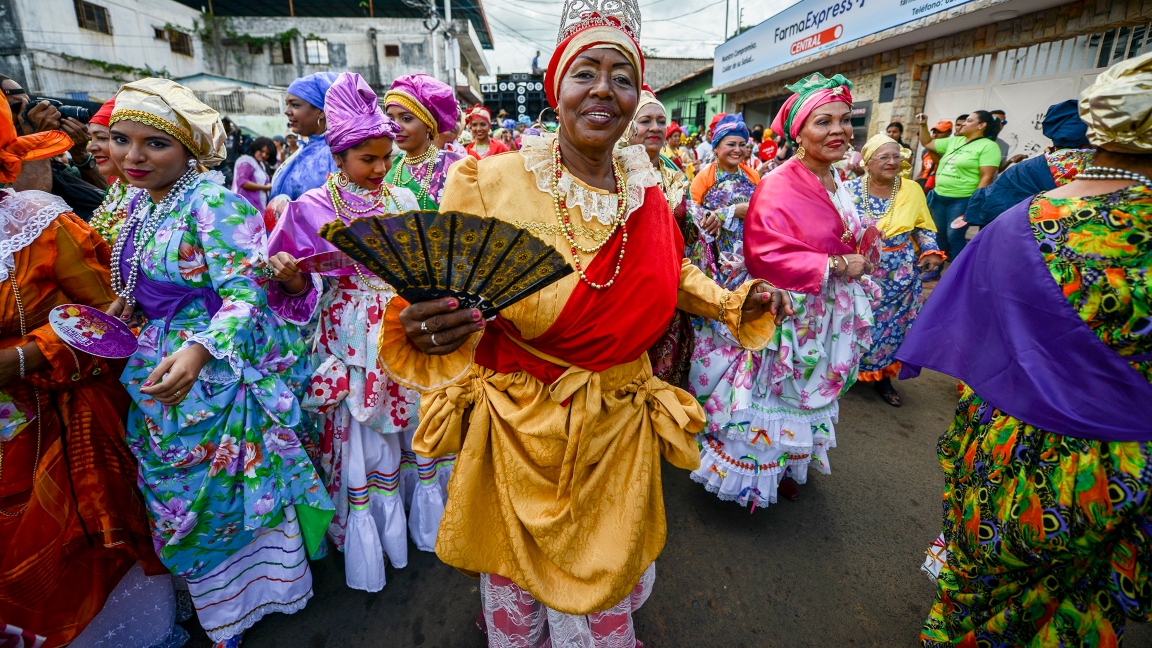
x: 85, y: 524
x: 707, y: 178
x: 15, y: 151
x: 891, y: 371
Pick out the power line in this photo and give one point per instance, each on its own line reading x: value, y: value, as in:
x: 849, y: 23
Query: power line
x: 695, y: 11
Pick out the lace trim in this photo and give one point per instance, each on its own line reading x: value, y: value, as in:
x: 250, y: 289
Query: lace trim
x: 212, y: 372
x: 638, y: 173
x: 24, y: 216
x: 223, y: 633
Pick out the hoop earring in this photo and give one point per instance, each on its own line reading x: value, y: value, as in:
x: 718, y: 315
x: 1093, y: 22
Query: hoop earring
x: 322, y: 122
x: 800, y: 153
x: 342, y: 180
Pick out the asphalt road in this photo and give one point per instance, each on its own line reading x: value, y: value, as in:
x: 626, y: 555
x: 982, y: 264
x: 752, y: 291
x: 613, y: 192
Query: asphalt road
x: 838, y: 567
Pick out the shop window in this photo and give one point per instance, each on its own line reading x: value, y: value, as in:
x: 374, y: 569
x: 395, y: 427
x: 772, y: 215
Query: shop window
x: 179, y: 42
x: 316, y: 51
x: 391, y: 50
x: 887, y: 88
x: 94, y: 17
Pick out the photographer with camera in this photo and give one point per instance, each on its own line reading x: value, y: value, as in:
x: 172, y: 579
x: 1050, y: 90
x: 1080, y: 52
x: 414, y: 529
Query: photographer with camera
x: 84, y: 193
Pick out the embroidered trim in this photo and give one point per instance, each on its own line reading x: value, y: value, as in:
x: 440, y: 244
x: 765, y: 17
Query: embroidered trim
x: 148, y: 119
x: 596, y: 235
x: 21, y: 226
x: 637, y: 167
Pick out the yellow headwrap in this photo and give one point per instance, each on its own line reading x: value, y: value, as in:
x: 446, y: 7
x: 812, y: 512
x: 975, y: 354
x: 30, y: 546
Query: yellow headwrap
x: 412, y: 105
x: 1118, y: 107
x: 172, y: 108
x: 911, y: 209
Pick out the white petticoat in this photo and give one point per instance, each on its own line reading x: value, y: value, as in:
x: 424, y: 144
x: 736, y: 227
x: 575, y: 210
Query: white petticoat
x: 139, y: 613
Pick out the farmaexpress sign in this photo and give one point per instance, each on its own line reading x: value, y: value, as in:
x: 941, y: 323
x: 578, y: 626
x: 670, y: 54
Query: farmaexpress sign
x: 810, y: 26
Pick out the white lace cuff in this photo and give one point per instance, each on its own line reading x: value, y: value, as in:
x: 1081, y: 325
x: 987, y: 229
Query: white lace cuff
x: 226, y: 366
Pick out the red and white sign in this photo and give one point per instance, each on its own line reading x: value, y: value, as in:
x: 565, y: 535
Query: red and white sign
x: 816, y: 40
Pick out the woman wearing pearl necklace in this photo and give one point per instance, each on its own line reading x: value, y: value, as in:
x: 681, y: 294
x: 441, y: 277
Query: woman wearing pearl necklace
x: 232, y: 496
x: 361, y: 424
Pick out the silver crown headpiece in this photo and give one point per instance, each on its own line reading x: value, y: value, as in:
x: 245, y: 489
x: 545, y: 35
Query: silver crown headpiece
x: 618, y: 14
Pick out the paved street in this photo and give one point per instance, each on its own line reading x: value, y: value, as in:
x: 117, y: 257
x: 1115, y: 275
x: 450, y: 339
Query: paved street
x: 839, y: 567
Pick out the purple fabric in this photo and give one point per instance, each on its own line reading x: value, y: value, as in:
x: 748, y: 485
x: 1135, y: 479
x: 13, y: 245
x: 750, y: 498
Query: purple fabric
x: 436, y: 96
x: 1021, y: 346
x: 162, y: 300
x: 353, y: 114
x: 246, y: 172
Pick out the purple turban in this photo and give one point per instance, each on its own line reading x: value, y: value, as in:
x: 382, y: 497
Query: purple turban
x: 433, y: 102
x: 311, y: 88
x: 354, y: 114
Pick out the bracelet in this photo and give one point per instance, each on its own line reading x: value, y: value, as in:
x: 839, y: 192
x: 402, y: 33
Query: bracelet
x: 834, y: 265
x: 723, y: 304
x: 303, y: 291
x: 20, y: 354
x: 86, y: 163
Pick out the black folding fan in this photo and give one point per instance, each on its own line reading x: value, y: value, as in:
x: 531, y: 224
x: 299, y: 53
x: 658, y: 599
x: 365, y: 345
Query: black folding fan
x: 486, y: 263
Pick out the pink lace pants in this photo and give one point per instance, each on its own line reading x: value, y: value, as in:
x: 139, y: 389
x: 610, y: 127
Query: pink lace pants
x: 512, y: 618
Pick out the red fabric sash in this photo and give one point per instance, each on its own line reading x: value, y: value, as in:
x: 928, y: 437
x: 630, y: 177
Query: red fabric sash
x: 599, y: 329
x: 791, y: 229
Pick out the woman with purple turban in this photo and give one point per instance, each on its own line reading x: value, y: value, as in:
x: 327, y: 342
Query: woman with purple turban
x: 423, y: 108
x: 771, y: 413
x: 362, y: 413
x: 309, y: 167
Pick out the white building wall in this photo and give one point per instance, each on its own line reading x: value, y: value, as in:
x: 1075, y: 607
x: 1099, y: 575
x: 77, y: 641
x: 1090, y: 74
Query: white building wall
x: 56, y: 44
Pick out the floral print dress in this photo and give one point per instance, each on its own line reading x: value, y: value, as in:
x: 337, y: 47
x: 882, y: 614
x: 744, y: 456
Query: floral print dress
x: 901, y: 291
x: 772, y: 412
x: 224, y: 476
x: 1048, y: 537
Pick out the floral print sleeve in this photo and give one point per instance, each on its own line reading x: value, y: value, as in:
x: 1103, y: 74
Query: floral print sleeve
x: 225, y: 234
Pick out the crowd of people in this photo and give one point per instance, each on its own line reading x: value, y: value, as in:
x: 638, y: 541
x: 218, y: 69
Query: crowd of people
x: 729, y: 288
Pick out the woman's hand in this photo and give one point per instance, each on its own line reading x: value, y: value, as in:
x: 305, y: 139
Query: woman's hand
x: 287, y: 273
x: 710, y: 224
x: 124, y: 311
x: 740, y: 210
x: 437, y: 328
x: 931, y: 262
x: 769, y: 299
x: 171, y: 380
x: 854, y: 266
x: 959, y: 223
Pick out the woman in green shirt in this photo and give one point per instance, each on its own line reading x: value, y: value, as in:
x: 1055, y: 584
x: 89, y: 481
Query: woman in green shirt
x: 968, y: 161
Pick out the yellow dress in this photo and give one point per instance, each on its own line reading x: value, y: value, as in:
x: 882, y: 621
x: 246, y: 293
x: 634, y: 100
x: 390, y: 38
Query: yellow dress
x: 556, y: 487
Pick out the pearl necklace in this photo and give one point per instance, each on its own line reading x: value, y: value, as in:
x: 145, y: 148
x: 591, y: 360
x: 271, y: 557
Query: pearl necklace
x: 560, y: 205
x: 866, y: 203
x: 1112, y: 173
x: 428, y: 159
x: 347, y: 213
x: 142, y: 227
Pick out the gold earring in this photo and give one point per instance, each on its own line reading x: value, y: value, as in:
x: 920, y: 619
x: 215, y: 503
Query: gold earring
x: 800, y: 153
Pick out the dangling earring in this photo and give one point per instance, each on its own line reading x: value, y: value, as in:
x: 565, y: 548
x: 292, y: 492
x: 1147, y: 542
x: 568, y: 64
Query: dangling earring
x: 192, y: 163
x: 342, y: 180
x: 800, y: 153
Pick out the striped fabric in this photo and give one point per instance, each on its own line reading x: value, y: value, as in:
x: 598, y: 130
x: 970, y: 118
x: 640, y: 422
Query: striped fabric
x: 387, y: 484
x: 269, y: 575
x: 427, y: 469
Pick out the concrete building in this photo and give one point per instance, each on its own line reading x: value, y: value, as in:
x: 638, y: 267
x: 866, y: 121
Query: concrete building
x: 84, y: 50
x: 659, y: 71
x: 687, y: 99
x: 934, y: 56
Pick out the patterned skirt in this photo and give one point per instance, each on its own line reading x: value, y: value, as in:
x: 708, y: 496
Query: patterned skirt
x: 1049, y: 537
x: 900, y: 302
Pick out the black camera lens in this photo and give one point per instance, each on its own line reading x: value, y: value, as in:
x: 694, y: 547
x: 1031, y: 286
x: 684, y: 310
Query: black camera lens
x: 79, y: 113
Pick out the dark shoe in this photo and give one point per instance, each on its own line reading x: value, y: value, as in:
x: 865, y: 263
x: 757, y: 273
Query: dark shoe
x: 788, y: 489
x: 891, y: 397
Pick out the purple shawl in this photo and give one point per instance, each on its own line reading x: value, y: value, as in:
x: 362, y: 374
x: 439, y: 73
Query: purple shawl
x: 298, y: 230
x: 999, y: 322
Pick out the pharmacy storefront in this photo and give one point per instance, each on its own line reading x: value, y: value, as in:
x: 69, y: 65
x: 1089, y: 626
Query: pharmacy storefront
x: 942, y: 57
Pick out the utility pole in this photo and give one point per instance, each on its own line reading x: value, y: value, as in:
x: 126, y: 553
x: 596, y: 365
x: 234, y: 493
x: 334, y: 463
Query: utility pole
x: 739, y: 16
x: 727, y: 4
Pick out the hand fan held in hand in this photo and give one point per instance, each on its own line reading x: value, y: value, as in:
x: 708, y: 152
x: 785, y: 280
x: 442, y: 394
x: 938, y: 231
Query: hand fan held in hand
x: 871, y: 245
x: 486, y: 263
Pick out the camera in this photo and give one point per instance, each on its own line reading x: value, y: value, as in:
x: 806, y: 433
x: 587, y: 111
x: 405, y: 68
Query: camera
x: 79, y: 113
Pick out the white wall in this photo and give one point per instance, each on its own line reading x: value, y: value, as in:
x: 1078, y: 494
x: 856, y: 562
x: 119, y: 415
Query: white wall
x: 50, y: 28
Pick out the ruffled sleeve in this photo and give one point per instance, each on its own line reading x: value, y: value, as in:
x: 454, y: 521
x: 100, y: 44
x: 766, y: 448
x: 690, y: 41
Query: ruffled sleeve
x: 700, y: 295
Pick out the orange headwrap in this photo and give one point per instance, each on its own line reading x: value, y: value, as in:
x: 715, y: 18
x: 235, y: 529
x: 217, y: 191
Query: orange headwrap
x: 15, y: 151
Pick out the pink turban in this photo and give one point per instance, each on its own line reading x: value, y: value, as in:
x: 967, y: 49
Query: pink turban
x: 809, y: 94
x: 354, y: 114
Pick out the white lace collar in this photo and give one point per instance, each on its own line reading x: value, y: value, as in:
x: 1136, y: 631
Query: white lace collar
x: 24, y: 215
x: 593, y: 203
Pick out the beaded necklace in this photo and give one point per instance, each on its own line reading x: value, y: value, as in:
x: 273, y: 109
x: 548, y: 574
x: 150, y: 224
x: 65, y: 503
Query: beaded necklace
x: 866, y: 203
x: 428, y: 159
x: 142, y: 226
x: 347, y: 213
x: 560, y: 204
x: 105, y: 218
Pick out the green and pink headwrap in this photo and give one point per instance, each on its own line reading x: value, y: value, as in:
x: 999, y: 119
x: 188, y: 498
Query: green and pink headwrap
x: 809, y: 93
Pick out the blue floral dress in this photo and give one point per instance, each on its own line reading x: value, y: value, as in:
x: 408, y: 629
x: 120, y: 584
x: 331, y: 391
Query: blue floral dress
x: 224, y: 470
x: 902, y: 294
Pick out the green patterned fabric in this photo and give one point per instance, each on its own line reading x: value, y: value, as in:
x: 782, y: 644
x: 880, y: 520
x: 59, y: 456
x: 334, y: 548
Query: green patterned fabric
x: 1049, y: 536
